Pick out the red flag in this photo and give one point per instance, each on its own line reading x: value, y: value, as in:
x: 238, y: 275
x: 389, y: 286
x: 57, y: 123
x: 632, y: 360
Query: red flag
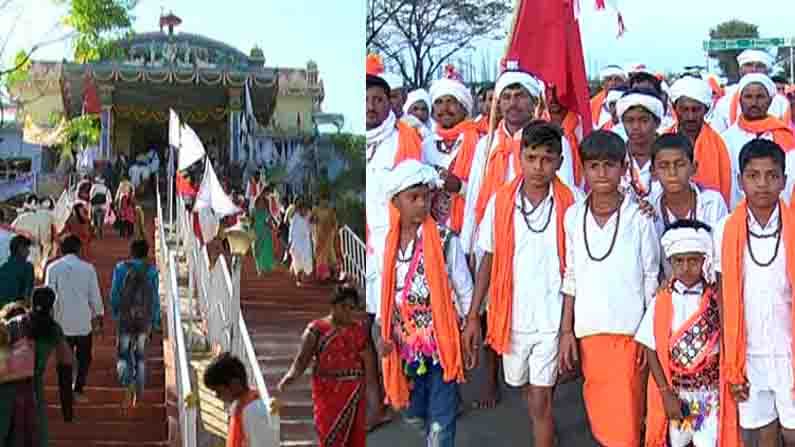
x: 546, y: 42
x: 91, y: 103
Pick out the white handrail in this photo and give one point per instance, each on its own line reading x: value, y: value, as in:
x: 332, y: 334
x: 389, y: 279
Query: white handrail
x: 218, y: 297
x: 354, y: 255
x: 185, y: 408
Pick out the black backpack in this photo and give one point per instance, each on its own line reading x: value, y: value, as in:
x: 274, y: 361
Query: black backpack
x: 135, y: 304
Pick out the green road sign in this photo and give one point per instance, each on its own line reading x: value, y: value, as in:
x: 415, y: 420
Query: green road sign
x: 746, y: 43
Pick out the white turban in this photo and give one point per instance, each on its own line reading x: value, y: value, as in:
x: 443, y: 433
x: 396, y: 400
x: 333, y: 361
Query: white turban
x: 456, y: 89
x: 679, y: 241
x: 648, y: 102
x: 526, y: 80
x: 410, y: 173
x: 614, y: 95
x: 610, y: 71
x: 749, y: 56
x: 757, y: 78
x: 419, y: 95
x: 693, y: 88
x: 395, y: 82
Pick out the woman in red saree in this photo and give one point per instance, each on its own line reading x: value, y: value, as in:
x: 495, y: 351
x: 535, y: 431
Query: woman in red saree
x: 79, y: 224
x: 338, y: 347
x: 126, y: 215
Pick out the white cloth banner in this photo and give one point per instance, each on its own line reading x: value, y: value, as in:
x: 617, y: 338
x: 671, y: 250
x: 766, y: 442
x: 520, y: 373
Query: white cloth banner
x: 173, y: 128
x: 63, y: 208
x: 191, y: 150
x: 211, y: 195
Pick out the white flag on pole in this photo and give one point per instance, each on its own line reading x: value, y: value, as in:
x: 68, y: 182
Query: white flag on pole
x: 191, y: 150
x: 173, y: 128
x: 211, y: 195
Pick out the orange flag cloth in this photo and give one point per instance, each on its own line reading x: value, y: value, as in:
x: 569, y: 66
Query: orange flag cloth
x: 462, y: 164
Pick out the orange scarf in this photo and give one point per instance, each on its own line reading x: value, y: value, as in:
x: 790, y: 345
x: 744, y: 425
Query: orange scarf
x: 569, y: 125
x: 734, y: 109
x: 782, y: 134
x: 597, y: 102
x: 445, y: 318
x: 714, y: 166
x: 735, y: 240
x: 237, y: 436
x: 496, y: 169
x: 656, y: 420
x: 461, y: 165
x: 482, y: 123
x: 500, y: 313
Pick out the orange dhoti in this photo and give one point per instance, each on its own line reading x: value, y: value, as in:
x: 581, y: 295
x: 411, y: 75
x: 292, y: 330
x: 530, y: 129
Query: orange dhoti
x: 613, y: 390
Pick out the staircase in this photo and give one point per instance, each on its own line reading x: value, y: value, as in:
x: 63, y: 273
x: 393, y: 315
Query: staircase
x: 98, y: 421
x: 276, y: 313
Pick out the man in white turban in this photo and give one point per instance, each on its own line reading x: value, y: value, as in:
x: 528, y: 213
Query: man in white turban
x: 692, y: 100
x: 727, y: 110
x: 756, y: 93
x: 397, y: 93
x: 611, y: 77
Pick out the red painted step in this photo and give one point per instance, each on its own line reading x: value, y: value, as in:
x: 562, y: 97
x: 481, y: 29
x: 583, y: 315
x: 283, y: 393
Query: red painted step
x: 98, y: 420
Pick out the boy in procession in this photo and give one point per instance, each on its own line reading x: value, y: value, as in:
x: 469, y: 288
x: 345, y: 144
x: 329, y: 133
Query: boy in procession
x: 641, y: 112
x: 524, y: 248
x: 681, y: 332
x: 673, y: 161
x: 612, y: 266
x: 755, y: 256
x: 426, y: 290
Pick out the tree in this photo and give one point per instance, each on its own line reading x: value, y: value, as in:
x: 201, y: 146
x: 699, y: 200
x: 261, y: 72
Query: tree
x: 424, y: 34
x: 379, y: 13
x: 733, y: 29
x: 98, y: 24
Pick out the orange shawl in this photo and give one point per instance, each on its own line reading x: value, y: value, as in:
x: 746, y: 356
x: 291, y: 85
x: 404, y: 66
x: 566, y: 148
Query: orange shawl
x: 782, y: 134
x: 496, y: 169
x: 734, y: 109
x: 656, y: 420
x: 735, y: 239
x: 482, y: 123
x: 500, y: 313
x: 597, y: 102
x: 409, y: 148
x: 237, y: 436
x: 445, y: 318
x: 461, y: 165
x: 714, y: 166
x: 569, y: 125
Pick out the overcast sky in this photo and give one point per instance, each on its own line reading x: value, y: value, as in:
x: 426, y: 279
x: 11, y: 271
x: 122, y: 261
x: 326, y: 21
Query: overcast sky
x: 290, y: 32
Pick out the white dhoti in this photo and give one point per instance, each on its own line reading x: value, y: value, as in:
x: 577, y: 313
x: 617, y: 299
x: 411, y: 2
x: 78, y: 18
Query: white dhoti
x: 301, y: 245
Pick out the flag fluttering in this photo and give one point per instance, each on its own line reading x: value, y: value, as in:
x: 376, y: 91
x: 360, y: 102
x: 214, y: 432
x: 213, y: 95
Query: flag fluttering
x: 211, y: 195
x: 191, y: 148
x: 545, y: 41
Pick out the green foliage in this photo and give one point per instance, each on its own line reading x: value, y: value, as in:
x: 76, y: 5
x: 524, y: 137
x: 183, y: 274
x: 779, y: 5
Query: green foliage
x: 347, y: 189
x: 20, y: 74
x: 733, y: 29
x: 82, y: 131
x: 98, y: 23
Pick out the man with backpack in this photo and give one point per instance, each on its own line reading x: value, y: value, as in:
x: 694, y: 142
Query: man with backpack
x: 78, y: 306
x: 135, y: 303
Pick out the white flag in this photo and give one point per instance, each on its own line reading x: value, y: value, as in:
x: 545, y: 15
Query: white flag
x: 211, y: 195
x: 173, y: 129
x: 191, y: 150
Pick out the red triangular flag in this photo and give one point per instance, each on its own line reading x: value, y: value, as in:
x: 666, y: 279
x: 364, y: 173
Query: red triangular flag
x: 91, y: 104
x: 546, y: 42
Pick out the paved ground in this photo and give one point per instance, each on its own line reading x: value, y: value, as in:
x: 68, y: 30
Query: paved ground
x: 506, y: 425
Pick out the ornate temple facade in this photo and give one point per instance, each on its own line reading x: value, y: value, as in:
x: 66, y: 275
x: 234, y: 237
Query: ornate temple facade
x: 200, y: 78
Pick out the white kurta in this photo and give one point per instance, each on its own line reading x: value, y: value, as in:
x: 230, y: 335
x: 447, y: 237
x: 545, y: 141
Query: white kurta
x: 301, y: 245
x: 719, y: 118
x: 735, y: 139
x: 612, y: 295
x: 78, y: 299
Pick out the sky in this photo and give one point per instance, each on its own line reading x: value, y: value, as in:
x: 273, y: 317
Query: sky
x: 668, y: 35
x: 290, y: 32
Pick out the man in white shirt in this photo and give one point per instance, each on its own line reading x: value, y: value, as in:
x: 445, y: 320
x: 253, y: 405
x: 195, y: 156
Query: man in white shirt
x: 100, y: 199
x: 756, y: 91
x: 78, y: 306
x: 727, y: 109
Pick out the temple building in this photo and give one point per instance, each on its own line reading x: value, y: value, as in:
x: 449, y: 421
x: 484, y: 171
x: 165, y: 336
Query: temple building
x: 200, y: 78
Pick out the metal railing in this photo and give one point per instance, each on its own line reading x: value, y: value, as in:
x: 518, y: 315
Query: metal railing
x: 217, y: 290
x: 354, y: 255
x: 176, y: 339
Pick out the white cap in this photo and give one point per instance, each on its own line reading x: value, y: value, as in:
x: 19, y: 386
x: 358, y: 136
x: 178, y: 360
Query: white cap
x: 456, y: 89
x: 757, y: 78
x: 410, y: 173
x: 749, y: 56
x: 648, y: 102
x: 693, y: 88
x: 526, y: 80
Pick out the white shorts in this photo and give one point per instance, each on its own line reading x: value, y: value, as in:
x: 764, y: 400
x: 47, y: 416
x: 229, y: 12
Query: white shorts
x: 533, y: 359
x: 770, y: 394
x: 707, y: 435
